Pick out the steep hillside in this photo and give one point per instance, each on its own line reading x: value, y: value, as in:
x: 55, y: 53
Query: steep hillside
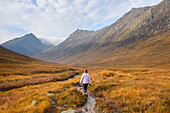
x: 10, y: 57
x: 152, y: 52
x: 12, y: 63
x: 28, y: 45
x: 119, y: 44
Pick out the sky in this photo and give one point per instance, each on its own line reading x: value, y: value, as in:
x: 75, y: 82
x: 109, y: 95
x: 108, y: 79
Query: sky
x: 54, y: 20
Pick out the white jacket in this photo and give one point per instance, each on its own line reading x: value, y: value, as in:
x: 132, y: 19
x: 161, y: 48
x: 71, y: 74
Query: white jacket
x: 85, y: 78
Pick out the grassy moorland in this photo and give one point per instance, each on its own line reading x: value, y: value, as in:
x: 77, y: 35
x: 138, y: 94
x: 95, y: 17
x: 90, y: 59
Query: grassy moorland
x: 17, y: 71
x: 34, y: 98
x: 29, y: 85
x: 123, y: 90
x: 131, y: 90
x: 24, y: 83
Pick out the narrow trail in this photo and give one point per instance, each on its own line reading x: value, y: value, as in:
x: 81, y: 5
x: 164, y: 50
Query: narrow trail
x: 88, y: 107
x: 90, y: 104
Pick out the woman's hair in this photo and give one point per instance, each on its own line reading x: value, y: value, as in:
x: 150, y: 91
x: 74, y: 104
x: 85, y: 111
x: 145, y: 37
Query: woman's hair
x: 85, y: 71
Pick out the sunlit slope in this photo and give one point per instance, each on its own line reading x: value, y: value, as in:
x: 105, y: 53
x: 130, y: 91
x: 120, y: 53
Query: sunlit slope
x: 10, y: 57
x: 12, y: 63
x: 139, y: 38
x: 153, y: 52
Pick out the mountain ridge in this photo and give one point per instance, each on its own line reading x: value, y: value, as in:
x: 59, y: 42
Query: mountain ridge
x: 28, y: 45
x: 133, y: 28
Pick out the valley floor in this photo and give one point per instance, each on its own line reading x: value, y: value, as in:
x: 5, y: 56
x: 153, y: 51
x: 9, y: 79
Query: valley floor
x: 115, y: 90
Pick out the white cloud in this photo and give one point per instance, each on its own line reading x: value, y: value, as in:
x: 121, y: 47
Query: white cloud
x: 52, y: 40
x: 4, y: 34
x: 54, y: 20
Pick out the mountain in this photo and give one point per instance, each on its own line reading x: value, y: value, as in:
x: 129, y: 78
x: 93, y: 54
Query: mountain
x: 139, y: 38
x: 28, y: 45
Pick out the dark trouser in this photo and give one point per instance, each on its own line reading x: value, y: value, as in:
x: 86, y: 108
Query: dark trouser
x: 85, y: 87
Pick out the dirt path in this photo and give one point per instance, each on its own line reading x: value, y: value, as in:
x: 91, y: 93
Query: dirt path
x: 90, y: 104
x: 88, y: 107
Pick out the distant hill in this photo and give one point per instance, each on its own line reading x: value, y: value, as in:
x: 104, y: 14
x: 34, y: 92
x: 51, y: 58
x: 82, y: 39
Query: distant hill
x: 28, y: 45
x: 139, y: 38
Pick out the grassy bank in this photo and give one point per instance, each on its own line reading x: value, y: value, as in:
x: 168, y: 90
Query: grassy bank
x: 131, y: 90
x: 35, y: 99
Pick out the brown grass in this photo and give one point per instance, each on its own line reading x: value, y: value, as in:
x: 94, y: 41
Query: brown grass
x: 131, y: 90
x: 16, y: 82
x: 24, y: 83
x: 18, y: 71
x: 117, y: 90
x: 126, y: 90
x: 70, y: 97
x: 21, y: 99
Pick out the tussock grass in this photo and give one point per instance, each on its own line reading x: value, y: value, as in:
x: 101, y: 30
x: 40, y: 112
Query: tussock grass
x: 30, y: 71
x: 12, y: 82
x: 21, y: 99
x: 131, y: 90
x: 36, y: 102
x: 70, y: 97
x: 116, y: 90
x: 25, y: 81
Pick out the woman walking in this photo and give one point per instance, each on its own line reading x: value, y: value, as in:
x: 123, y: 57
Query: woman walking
x: 85, y: 78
